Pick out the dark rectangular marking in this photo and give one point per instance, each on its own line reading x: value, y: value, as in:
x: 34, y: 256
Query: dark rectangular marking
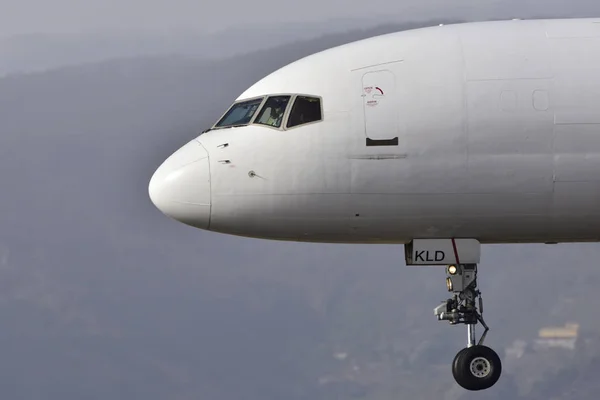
x: 382, y: 142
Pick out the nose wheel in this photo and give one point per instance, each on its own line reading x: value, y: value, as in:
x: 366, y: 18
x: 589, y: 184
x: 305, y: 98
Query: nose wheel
x: 475, y: 367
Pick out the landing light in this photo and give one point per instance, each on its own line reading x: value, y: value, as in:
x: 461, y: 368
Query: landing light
x: 449, y: 284
x: 452, y: 269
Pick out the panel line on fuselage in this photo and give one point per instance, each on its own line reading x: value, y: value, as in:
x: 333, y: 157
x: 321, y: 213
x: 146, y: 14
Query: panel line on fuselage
x: 376, y: 65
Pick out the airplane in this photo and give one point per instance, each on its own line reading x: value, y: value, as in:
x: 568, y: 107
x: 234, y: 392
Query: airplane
x: 439, y: 139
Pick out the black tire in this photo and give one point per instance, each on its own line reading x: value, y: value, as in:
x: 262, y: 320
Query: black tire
x: 455, y: 362
x: 477, y: 368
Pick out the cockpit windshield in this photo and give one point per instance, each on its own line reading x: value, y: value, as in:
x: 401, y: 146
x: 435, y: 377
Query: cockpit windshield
x: 281, y: 112
x: 240, y: 113
x: 273, y: 111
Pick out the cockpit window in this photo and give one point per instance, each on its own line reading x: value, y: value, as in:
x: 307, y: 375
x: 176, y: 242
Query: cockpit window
x: 273, y: 111
x: 240, y: 113
x: 305, y: 110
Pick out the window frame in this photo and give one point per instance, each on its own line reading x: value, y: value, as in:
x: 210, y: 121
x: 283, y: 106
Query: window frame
x: 320, y: 98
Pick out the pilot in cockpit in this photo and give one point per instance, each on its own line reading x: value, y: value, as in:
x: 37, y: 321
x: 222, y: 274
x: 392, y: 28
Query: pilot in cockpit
x: 272, y: 115
x: 276, y: 116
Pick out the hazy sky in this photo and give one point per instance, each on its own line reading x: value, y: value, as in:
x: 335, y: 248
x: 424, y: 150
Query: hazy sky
x: 51, y: 16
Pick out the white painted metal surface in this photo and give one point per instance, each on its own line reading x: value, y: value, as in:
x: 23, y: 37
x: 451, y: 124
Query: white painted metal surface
x: 497, y: 138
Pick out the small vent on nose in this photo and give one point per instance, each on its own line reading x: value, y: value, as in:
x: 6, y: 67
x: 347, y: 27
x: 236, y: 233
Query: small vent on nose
x: 225, y: 161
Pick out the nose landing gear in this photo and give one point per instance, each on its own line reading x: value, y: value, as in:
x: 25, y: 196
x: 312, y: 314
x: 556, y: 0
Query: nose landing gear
x: 475, y: 367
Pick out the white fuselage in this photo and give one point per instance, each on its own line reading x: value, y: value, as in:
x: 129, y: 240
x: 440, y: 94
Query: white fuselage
x: 484, y: 130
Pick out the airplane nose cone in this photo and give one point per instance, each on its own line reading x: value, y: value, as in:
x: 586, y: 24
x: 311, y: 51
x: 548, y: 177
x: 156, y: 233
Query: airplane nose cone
x: 180, y: 187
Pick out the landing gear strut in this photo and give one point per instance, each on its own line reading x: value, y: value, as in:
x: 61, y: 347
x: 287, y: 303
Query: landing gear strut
x: 475, y: 367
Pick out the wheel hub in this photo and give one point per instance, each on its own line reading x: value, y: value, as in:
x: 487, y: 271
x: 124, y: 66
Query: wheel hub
x: 480, y: 367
